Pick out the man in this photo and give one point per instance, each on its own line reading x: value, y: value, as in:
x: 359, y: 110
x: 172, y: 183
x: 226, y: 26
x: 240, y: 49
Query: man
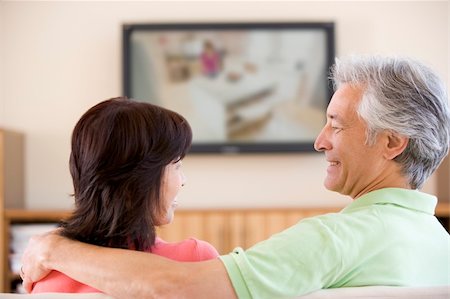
x: 387, y: 131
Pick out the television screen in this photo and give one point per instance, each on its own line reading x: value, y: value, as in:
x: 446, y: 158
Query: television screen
x: 247, y: 87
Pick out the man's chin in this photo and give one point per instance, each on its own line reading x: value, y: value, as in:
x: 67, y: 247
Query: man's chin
x: 331, y: 186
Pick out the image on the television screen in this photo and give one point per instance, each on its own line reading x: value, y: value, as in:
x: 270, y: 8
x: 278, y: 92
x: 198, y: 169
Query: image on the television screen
x: 235, y: 86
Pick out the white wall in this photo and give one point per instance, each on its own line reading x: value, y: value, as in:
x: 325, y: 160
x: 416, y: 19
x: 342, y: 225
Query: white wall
x: 60, y: 58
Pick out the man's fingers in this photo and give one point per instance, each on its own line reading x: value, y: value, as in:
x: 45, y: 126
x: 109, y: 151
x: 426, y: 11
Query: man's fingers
x: 32, y: 269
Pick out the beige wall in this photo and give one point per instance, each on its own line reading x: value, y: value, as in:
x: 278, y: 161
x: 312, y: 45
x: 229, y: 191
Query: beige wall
x: 60, y: 58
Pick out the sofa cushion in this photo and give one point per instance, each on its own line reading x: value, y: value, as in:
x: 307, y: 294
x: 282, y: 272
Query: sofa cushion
x: 378, y: 292
x: 440, y: 292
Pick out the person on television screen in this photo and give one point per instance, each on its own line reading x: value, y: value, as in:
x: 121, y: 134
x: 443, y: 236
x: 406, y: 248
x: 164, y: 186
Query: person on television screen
x: 387, y: 131
x: 126, y: 169
x: 210, y: 60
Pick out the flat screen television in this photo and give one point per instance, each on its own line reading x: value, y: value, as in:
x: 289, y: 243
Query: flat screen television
x: 243, y: 87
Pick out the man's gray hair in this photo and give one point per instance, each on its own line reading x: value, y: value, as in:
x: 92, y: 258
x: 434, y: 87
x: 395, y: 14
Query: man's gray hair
x: 405, y: 97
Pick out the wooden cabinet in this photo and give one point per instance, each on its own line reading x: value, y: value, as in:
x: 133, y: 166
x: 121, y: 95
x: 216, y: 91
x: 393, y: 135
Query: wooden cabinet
x: 11, y: 187
x: 11, y: 169
x: 16, y: 216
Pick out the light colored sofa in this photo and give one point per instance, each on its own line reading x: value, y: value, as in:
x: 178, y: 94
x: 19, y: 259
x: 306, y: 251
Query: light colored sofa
x: 378, y: 292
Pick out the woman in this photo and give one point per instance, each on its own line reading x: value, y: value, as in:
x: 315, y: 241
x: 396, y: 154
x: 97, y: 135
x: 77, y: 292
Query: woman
x: 126, y: 169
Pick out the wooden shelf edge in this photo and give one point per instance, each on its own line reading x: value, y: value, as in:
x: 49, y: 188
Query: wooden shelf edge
x: 35, y: 215
x: 442, y: 209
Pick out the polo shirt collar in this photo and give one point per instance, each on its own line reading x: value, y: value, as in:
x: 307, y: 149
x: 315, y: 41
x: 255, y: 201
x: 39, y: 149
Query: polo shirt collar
x: 410, y: 199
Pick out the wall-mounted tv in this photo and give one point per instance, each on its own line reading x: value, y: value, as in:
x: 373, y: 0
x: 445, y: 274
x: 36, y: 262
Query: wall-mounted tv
x: 243, y: 87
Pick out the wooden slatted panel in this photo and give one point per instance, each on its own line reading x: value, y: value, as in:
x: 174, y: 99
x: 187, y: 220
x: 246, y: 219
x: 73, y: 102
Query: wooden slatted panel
x: 216, y: 231
x: 255, y: 228
x: 275, y: 222
x: 236, y: 222
x: 173, y: 232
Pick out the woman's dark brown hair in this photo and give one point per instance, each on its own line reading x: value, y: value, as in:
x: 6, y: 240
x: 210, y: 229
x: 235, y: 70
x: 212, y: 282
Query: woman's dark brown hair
x: 120, y: 148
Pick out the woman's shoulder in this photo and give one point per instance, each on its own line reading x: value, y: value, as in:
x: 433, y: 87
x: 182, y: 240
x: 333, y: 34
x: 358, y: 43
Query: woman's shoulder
x: 190, y: 249
x: 57, y: 282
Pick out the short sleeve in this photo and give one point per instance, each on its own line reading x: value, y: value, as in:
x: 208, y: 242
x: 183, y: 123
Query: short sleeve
x: 299, y: 260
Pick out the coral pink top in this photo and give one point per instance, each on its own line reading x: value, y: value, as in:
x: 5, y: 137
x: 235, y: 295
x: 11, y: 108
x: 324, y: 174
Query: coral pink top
x: 189, y: 250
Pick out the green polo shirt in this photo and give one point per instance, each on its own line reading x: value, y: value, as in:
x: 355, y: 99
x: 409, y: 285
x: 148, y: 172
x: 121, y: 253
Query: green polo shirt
x: 386, y: 237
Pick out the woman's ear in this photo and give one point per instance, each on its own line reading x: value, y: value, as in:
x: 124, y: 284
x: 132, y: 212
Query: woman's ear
x: 395, y: 145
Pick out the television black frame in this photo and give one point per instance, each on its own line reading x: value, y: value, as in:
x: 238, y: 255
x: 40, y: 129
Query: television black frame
x: 232, y: 147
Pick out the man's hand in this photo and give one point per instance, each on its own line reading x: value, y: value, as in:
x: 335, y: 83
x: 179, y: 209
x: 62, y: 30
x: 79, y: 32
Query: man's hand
x: 34, y: 259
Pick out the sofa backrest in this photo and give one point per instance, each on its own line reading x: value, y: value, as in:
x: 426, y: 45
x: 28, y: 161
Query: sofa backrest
x: 370, y: 292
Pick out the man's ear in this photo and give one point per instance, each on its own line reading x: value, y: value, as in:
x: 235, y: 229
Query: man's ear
x: 395, y: 145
